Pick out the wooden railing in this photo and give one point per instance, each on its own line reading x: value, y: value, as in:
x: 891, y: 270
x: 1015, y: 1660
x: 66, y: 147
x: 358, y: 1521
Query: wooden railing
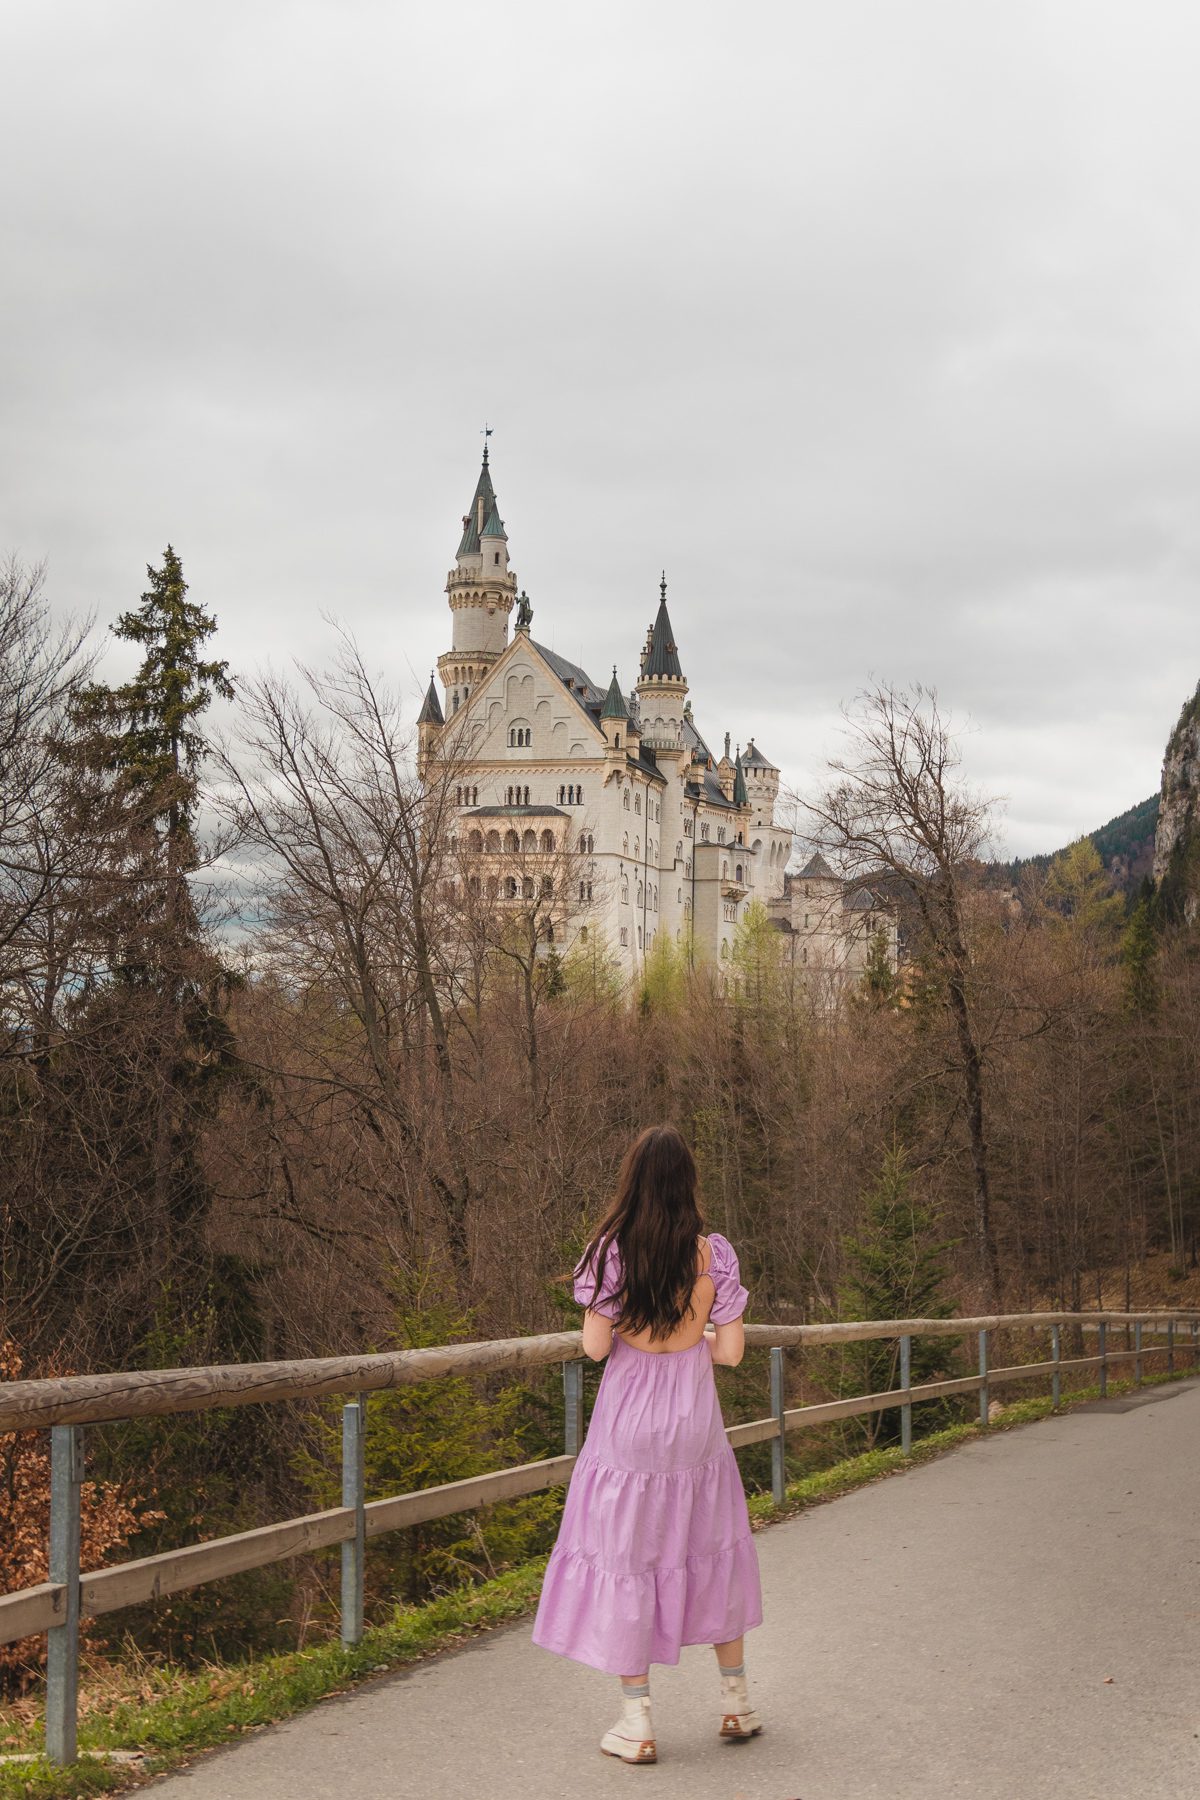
x: 65, y: 1406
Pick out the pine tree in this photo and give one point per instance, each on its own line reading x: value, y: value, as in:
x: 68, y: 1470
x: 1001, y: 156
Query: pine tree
x: 135, y: 760
x: 895, y: 1270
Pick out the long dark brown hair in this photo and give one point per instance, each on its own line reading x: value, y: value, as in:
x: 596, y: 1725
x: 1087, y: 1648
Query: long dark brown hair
x: 655, y: 1221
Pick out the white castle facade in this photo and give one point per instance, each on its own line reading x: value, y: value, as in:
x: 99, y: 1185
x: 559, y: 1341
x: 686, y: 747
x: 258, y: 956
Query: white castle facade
x: 608, y: 809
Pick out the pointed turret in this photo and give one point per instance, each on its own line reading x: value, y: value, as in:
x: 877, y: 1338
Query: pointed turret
x: 482, y: 590
x: 739, y: 780
x: 431, y: 713
x: 430, y: 721
x: 662, y: 687
x: 614, y: 701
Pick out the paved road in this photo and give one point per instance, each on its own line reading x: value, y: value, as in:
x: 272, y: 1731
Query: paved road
x: 949, y: 1632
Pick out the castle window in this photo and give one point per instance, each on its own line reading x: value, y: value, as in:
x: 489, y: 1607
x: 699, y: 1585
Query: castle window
x: 529, y: 841
x: 590, y: 843
x: 625, y: 844
x: 626, y: 800
x: 704, y: 832
x: 589, y: 890
x: 625, y: 935
x: 581, y: 890
x: 512, y: 842
x: 624, y: 890
x: 510, y: 887
x: 548, y: 887
x: 583, y: 934
x: 639, y: 937
x: 618, y: 740
x: 637, y: 803
x: 493, y: 840
x: 527, y: 888
x: 473, y: 885
x: 687, y: 828
x: 724, y: 950
x: 495, y: 556
x: 687, y: 867
x: 679, y: 896
x: 656, y: 899
x: 720, y: 834
x: 737, y: 873
x: 475, y: 842
x: 640, y: 894
x: 547, y: 841
x: 679, y: 853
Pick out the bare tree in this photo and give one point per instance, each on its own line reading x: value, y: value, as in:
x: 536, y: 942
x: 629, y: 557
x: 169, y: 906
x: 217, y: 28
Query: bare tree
x: 896, y: 805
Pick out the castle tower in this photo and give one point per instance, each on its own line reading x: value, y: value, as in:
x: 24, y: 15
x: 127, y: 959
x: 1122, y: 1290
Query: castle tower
x: 481, y: 589
x: 662, y: 687
x: 429, y: 722
x: 762, y: 783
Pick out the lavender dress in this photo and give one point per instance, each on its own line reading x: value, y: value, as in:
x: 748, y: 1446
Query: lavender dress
x: 654, y: 1550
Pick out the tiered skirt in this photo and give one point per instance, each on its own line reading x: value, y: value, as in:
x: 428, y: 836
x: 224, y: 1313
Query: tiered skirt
x: 655, y: 1549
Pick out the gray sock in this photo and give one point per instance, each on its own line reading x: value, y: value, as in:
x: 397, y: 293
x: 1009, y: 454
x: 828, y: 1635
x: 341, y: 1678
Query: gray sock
x: 635, y: 1692
x: 739, y: 1670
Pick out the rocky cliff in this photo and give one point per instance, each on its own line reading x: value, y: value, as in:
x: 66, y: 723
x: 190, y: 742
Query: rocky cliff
x: 1177, y: 837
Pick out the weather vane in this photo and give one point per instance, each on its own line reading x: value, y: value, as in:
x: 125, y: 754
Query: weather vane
x: 485, y: 434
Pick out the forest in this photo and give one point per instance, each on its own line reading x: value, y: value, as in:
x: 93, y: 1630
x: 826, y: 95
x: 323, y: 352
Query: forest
x: 274, y: 1081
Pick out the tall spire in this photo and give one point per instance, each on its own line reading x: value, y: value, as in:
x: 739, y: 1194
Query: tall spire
x: 431, y: 712
x: 483, y: 504
x: 739, y: 780
x: 663, y: 657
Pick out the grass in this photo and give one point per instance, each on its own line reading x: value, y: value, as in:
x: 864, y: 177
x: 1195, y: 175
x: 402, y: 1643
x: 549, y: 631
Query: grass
x: 178, y: 1714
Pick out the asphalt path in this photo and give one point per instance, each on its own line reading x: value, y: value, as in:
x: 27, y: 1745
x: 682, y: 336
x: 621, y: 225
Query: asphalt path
x: 1018, y: 1620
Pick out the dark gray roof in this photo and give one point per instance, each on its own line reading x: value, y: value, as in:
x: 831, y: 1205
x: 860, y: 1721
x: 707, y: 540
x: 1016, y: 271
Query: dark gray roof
x: 614, y: 701
x: 816, y: 868
x: 861, y: 900
x: 739, y: 782
x: 431, y: 712
x: 663, y: 658
x: 484, y: 488
x: 582, y: 685
x: 493, y: 525
x: 754, y: 758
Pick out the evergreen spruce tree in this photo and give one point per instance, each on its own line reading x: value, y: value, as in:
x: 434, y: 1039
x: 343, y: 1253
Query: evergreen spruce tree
x: 894, y: 1270
x: 135, y: 758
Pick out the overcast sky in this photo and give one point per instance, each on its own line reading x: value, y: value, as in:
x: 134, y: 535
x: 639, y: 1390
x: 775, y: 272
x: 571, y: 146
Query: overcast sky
x: 875, y: 323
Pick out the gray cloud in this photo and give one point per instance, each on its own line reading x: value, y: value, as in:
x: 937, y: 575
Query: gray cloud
x: 876, y: 325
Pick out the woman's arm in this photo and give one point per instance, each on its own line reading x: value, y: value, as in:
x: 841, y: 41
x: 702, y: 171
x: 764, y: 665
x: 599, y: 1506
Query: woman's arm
x: 727, y: 1342
x: 597, y: 1335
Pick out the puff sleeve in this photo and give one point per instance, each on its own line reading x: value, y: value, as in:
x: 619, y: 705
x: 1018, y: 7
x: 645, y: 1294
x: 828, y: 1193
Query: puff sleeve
x: 585, y: 1283
x: 731, y: 1296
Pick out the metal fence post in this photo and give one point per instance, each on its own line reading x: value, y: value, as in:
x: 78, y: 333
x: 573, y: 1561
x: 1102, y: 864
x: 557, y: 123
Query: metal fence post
x: 1171, y: 1347
x: 354, y: 1550
x: 62, y: 1642
x: 572, y: 1407
x: 1137, y: 1361
x: 1103, y: 1358
x: 1056, y: 1343
x: 905, y: 1384
x: 779, y: 1443
x: 983, y: 1372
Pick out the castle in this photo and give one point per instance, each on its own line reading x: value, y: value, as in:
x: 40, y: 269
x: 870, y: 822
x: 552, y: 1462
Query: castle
x: 608, y: 809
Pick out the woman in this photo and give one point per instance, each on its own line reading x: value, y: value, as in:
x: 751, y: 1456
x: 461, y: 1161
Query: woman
x: 654, y: 1550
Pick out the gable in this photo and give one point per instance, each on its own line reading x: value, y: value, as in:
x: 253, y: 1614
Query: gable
x: 521, y: 691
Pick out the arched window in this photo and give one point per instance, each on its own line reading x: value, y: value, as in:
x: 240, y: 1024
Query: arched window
x: 512, y: 842
x: 547, y: 841
x: 640, y: 894
x: 618, y: 740
x: 637, y: 803
x: 737, y: 873
x: 625, y: 799
x: 527, y: 888
x: 624, y: 890
x: 679, y: 852
x: 510, y: 887
x: 582, y: 843
x: 529, y: 841
x: 548, y: 887
x: 724, y: 950
x: 637, y: 848
x: 590, y: 844
x: 493, y: 840
x: 625, y: 845
x: 473, y: 885
x: 656, y: 896
x: 493, y: 887
x: 475, y: 841
x: 679, y: 896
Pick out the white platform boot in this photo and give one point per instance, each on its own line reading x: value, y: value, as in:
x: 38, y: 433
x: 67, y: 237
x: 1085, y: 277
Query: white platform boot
x: 632, y: 1737
x: 738, y: 1718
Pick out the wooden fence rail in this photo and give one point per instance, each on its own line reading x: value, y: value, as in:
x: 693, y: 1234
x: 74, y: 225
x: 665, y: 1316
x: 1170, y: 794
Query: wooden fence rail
x: 64, y: 1406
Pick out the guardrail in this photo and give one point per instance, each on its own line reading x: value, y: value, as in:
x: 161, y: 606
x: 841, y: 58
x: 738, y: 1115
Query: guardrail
x: 65, y: 1406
